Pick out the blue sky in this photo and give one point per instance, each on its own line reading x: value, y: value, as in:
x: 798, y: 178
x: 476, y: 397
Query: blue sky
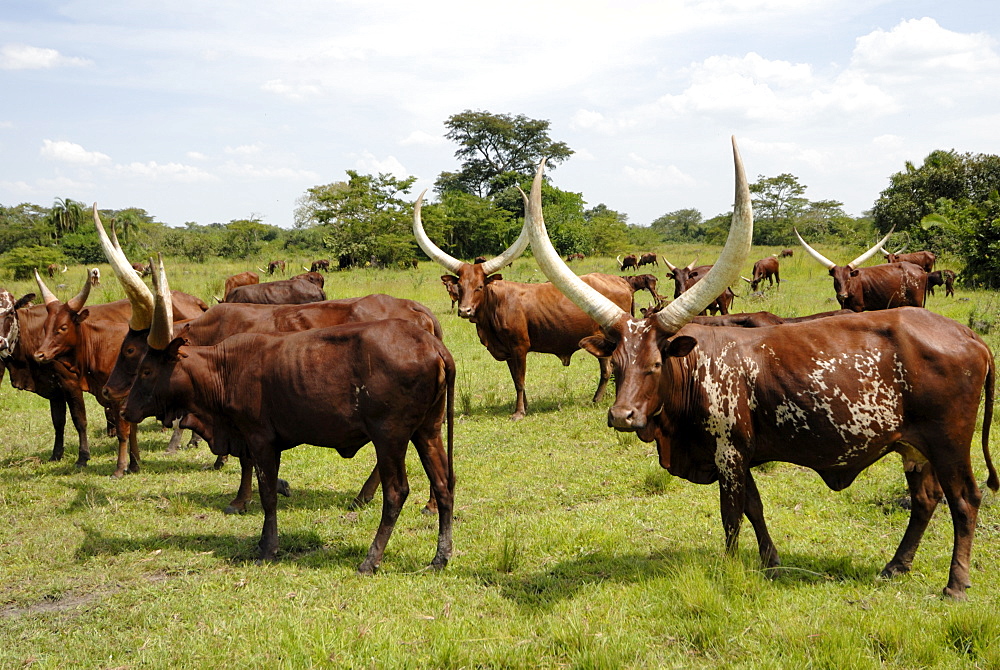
x: 209, y: 112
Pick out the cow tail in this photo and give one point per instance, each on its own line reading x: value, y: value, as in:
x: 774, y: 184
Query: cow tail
x: 993, y: 482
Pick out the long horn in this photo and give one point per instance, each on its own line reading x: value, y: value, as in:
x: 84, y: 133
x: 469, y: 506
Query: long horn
x: 161, y: 330
x: 597, y: 306
x: 871, y: 252
x: 138, y: 293
x: 691, y: 264
x: 823, y: 260
x: 726, y: 269
x: 450, y: 262
x: 47, y: 295
x: 77, y: 302
x: 671, y: 266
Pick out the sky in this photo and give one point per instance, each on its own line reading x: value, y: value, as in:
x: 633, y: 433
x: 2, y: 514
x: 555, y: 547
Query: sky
x: 213, y: 111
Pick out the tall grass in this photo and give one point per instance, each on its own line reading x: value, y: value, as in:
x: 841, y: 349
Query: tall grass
x: 573, y: 549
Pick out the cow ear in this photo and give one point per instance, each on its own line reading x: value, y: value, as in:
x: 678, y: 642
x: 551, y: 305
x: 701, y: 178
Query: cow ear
x: 173, y: 349
x: 25, y: 301
x: 854, y: 273
x: 681, y: 346
x: 598, y: 345
x: 80, y: 317
x: 693, y: 275
x: 449, y: 279
x: 493, y: 278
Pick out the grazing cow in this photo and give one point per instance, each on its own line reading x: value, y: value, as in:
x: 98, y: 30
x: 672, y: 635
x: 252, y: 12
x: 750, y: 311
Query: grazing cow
x: 141, y: 268
x: 322, y: 264
x: 295, y: 291
x: 275, y: 265
x: 785, y: 253
x: 854, y: 388
x: 875, y: 287
x: 513, y: 318
x: 647, y: 259
x: 944, y: 278
x: 629, y: 262
x: 765, y: 268
x: 386, y: 382
x: 20, y: 333
x: 640, y: 282
x: 575, y: 257
x: 54, y: 268
x: 925, y: 259
x: 686, y: 277
x: 241, y: 279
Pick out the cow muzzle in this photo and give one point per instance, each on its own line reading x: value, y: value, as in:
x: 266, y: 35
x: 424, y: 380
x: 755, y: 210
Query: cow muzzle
x: 466, y: 312
x: 625, y: 419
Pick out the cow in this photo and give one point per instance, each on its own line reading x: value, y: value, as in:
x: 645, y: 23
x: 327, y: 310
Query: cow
x: 322, y: 264
x: 640, y: 282
x: 925, y: 259
x: 686, y: 277
x: 944, y: 278
x: 20, y: 333
x: 765, y: 268
x: 833, y: 395
x: 629, y: 262
x: 513, y: 318
x: 94, y: 277
x: 241, y: 279
x: 480, y: 259
x: 577, y: 256
x: 874, y: 287
x: 647, y: 259
x: 785, y: 253
x: 452, y: 289
x: 53, y: 269
x: 386, y: 382
x: 274, y: 266
x: 141, y: 268
x: 298, y: 290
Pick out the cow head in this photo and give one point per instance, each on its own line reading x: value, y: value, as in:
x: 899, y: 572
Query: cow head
x: 642, y: 350
x: 10, y: 328
x: 681, y: 276
x: 471, y: 281
x: 843, y: 274
x: 61, y: 330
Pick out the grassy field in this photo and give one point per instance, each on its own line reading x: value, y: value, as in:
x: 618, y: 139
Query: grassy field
x: 572, y: 547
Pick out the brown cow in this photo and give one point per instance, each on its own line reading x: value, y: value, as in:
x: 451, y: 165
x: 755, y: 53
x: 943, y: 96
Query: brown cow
x: 452, y: 289
x: 765, y: 268
x: 513, y: 318
x: 629, y: 262
x: 719, y: 401
x: 241, y: 279
x: 575, y: 257
x: 273, y: 266
x: 647, y: 259
x: 944, y: 278
x: 141, y: 268
x: 925, y: 259
x: 875, y: 287
x: 386, y: 382
x: 640, y: 282
x: 686, y: 277
x: 295, y: 291
x: 322, y: 264
x: 785, y: 253
x: 20, y: 333
x: 54, y: 268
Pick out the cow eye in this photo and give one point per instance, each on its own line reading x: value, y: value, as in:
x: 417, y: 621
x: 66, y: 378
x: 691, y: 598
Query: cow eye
x: 130, y: 351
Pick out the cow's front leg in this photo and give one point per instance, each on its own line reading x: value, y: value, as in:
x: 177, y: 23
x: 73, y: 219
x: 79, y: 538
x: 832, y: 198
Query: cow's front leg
x: 754, y: 511
x: 732, y: 494
x: 266, y: 460
x: 517, y: 364
x: 602, y: 384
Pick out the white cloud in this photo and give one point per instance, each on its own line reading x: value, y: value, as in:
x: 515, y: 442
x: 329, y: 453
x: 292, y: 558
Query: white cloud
x: 423, y: 139
x: 175, y: 172
x: 196, y: 156
x: 367, y: 163
x: 652, y: 176
x: 921, y: 47
x: 70, y: 152
x: 244, y: 150
x: 24, y: 57
x: 294, y: 92
x: 250, y: 171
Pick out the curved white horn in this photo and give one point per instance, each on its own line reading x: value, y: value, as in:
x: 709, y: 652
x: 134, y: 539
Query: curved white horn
x: 820, y: 258
x: 871, y: 252
x: 726, y: 269
x: 691, y: 264
x: 161, y: 330
x: 135, y: 289
x: 596, y: 305
x: 671, y: 266
x: 47, y: 295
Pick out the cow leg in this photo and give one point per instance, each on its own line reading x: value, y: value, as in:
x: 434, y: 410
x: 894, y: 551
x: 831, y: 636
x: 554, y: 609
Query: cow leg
x: 175, y: 438
x: 925, y: 494
x: 964, y: 496
x: 434, y: 457
x: 78, y: 413
x: 517, y: 364
x: 133, y: 448
x: 754, y: 511
x: 605, y: 364
x: 266, y: 461
x: 367, y: 491
x: 194, y: 441
x: 395, y: 489
x: 57, y: 410
x: 238, y: 505
x: 732, y: 495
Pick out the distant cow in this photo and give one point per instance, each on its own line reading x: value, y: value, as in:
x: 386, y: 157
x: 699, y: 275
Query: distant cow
x: 94, y: 276
x: 577, y: 256
x: 314, y: 277
x: 141, y: 268
x: 925, y: 259
x: 944, y: 278
x: 785, y: 253
x: 765, y: 268
x: 54, y: 268
x: 648, y: 259
x: 640, y: 282
x: 294, y: 291
x: 686, y: 277
x: 874, y: 287
x: 241, y: 279
x: 629, y: 261
x: 452, y: 289
x: 323, y: 265
x: 273, y: 266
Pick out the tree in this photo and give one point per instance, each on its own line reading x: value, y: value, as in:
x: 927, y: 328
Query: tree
x: 778, y: 202
x: 497, y: 151
x: 66, y: 216
x: 24, y: 260
x: 682, y: 225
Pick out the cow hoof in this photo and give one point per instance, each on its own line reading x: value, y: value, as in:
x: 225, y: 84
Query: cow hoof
x: 358, y: 503
x: 81, y: 463
x: 955, y: 594
x: 439, y: 563
x: 367, y: 568
x: 117, y: 474
x: 219, y: 462
x: 233, y: 508
x: 893, y: 569
x: 284, y: 489
x: 133, y: 470
x: 517, y: 416
x: 56, y: 456
x: 427, y: 510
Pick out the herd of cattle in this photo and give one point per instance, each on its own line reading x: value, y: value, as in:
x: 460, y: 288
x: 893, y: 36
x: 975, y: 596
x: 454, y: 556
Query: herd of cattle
x: 833, y: 392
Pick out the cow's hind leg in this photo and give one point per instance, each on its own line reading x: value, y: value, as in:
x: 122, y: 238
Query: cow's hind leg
x: 395, y: 489
x: 175, y: 438
x: 963, y: 494
x: 266, y: 461
x: 368, y: 489
x: 925, y: 494
x: 732, y: 495
x: 605, y: 364
x: 754, y: 511
x: 434, y: 458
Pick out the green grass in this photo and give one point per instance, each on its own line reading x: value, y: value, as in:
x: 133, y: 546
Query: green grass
x: 572, y: 547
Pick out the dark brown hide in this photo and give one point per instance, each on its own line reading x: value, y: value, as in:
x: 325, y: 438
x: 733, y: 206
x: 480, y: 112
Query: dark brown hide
x: 322, y: 264
x: 924, y: 259
x: 647, y: 259
x: 627, y: 263
x: 879, y: 287
x: 765, y: 268
x: 685, y: 278
x: 281, y: 292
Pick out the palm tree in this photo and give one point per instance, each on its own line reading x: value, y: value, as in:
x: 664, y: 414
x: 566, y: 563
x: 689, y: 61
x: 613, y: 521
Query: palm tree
x: 65, y: 216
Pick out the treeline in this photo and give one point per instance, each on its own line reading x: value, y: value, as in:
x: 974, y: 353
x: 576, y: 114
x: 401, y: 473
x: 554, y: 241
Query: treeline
x: 947, y: 205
